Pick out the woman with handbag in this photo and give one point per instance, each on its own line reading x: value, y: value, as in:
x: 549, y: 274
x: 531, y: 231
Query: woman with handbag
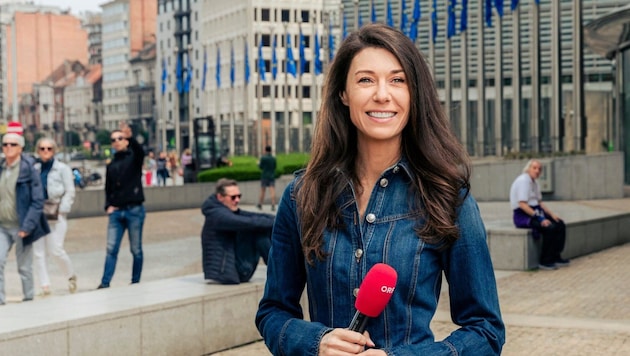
x: 58, y: 183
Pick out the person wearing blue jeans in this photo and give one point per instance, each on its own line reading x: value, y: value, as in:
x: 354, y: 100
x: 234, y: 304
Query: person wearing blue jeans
x: 123, y: 202
x: 130, y: 218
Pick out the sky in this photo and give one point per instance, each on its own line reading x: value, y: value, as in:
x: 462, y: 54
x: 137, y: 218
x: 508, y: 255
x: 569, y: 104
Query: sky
x: 76, y: 6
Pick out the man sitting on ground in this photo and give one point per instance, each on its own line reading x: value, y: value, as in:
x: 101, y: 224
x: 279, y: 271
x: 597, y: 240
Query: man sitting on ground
x: 232, y: 240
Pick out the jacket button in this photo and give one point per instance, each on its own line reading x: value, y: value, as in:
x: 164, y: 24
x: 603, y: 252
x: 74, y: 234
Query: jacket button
x: 355, y: 292
x: 396, y: 169
x: 384, y: 182
x: 370, y: 218
x: 358, y: 253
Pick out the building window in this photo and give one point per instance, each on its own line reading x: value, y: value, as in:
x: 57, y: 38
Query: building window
x: 264, y: 15
x: 285, y: 15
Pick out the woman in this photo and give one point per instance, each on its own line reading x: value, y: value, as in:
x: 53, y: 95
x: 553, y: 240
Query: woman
x: 188, y: 164
x: 387, y: 182
x: 58, y: 183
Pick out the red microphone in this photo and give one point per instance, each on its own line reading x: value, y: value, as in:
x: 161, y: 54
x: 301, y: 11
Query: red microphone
x: 374, y: 293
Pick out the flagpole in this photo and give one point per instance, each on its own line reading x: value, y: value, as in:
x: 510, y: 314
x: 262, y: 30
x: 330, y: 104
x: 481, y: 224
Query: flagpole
x: 464, y: 87
x: 274, y: 48
x: 498, y: 87
x: 191, y: 131
x: 516, y: 79
x: 245, y: 99
x: 259, y: 135
x: 232, y: 113
x: 217, y: 100
x: 578, y: 78
x: 356, y: 15
x: 432, y: 44
x: 556, y: 77
x: 314, y: 91
x: 535, y: 75
x: 163, y: 110
x: 177, y: 108
x: 300, y: 93
x: 286, y: 90
x: 448, y: 80
x: 481, y: 88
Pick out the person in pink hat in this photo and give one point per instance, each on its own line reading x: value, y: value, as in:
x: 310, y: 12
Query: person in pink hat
x: 21, y: 219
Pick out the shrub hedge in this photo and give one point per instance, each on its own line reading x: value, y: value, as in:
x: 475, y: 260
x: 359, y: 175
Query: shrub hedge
x: 245, y: 168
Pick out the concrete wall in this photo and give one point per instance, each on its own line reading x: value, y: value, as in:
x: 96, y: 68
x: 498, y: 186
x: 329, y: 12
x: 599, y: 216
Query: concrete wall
x: 582, y: 177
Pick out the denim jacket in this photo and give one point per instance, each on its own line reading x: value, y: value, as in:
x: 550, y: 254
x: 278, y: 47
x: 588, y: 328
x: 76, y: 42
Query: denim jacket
x: 385, y: 235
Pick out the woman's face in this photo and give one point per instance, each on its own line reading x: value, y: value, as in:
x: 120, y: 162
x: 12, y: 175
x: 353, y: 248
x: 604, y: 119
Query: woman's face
x: 377, y: 95
x: 45, y: 150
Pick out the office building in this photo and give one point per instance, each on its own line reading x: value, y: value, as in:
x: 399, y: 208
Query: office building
x: 128, y: 26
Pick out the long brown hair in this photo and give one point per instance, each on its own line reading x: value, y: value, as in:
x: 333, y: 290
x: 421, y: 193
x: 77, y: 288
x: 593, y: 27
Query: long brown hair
x: 440, y: 166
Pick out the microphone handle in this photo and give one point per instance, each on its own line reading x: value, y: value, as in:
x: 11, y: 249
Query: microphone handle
x: 359, y: 322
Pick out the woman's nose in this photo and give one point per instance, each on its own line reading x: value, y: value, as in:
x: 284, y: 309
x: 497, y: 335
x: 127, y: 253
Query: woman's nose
x: 382, y: 93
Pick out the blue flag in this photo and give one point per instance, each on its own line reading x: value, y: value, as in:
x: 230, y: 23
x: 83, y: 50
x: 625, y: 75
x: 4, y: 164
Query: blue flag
x: 345, y: 27
x: 373, y: 14
x: 488, y: 12
x: 189, y: 73
x: 164, y: 75
x: 301, y: 53
x: 178, y: 74
x: 403, y: 17
x: 318, y: 60
x: 434, y: 22
x: 450, y: 27
x: 389, y: 16
x: 360, y: 20
x: 331, y: 43
x: 247, y: 71
x: 205, y: 70
x: 274, y: 59
x: 413, y: 31
x: 291, y: 69
x: 499, y: 5
x: 261, y: 62
x: 415, y: 17
x: 514, y: 5
x: 463, y: 20
x: 217, y: 74
x: 232, y: 69
x: 537, y: 2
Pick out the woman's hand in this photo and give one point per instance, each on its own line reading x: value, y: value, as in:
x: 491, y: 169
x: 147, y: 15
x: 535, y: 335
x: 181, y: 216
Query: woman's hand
x: 344, y: 342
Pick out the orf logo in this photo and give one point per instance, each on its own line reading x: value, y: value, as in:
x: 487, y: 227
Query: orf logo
x: 388, y: 290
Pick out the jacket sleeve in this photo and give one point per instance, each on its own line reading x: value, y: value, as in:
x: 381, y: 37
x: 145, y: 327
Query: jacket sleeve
x: 226, y: 220
x: 280, y: 319
x: 68, y: 187
x: 138, y: 153
x: 36, y: 205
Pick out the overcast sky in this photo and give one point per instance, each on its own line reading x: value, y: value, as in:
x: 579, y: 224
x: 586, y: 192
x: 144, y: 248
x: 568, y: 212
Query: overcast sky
x: 76, y: 6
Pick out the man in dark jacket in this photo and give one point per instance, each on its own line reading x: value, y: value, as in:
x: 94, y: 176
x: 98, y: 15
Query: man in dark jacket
x: 21, y: 218
x: 232, y: 240
x: 123, y: 202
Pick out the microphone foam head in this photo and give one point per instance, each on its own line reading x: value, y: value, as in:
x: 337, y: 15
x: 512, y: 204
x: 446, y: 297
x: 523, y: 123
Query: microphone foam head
x: 376, y: 290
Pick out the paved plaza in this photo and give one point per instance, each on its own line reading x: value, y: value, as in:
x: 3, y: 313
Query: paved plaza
x: 580, y: 310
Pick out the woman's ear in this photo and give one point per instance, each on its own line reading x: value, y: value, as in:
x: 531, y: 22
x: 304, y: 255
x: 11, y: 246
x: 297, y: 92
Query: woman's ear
x: 344, y: 98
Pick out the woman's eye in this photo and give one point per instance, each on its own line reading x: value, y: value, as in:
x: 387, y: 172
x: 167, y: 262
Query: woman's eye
x: 398, y: 80
x: 365, y: 80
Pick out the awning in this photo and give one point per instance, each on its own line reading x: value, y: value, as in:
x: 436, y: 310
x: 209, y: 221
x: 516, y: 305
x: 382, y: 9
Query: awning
x: 609, y: 34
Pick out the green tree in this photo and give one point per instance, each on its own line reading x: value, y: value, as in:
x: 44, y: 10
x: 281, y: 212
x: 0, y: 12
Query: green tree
x: 102, y: 137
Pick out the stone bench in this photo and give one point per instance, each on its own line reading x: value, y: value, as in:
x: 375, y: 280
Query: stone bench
x: 516, y: 249
x: 177, y: 316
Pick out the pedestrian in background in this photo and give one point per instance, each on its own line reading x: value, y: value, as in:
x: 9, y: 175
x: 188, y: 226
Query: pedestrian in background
x: 188, y: 166
x: 529, y: 212
x: 267, y: 164
x: 124, y: 198
x: 232, y: 240
x: 173, y: 166
x: 162, y: 169
x: 58, y: 187
x: 21, y: 218
x: 387, y: 182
